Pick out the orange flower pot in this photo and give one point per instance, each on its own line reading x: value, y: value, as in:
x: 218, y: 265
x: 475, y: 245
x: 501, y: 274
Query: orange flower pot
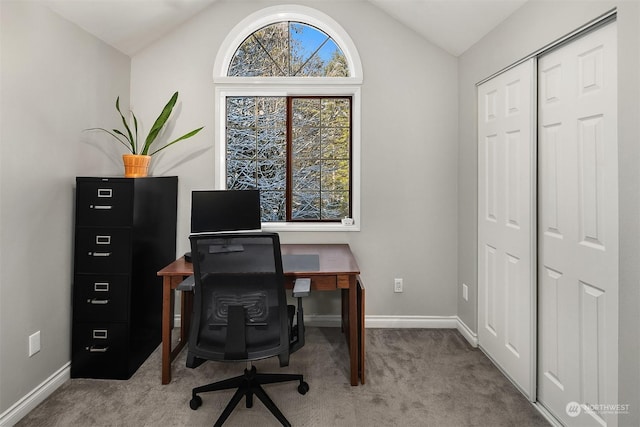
x: 135, y: 165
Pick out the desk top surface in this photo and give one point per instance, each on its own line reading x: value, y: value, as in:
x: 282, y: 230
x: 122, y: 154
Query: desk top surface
x: 334, y: 259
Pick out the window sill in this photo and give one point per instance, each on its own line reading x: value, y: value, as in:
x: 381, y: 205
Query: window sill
x: 314, y: 226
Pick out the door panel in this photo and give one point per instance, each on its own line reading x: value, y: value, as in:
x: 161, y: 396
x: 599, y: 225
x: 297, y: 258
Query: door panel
x: 578, y: 229
x: 505, y: 223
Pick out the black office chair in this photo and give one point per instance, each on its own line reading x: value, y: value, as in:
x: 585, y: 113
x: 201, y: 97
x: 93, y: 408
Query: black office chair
x: 240, y: 313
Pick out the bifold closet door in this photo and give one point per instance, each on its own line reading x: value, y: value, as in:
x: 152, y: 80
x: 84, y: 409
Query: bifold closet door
x: 578, y: 229
x: 505, y: 222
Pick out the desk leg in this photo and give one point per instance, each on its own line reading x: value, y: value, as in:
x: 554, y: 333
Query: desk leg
x: 354, y: 344
x: 361, y: 331
x: 186, y: 306
x: 166, y: 329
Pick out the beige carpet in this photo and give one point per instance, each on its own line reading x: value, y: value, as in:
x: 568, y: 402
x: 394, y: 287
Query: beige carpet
x: 415, y: 377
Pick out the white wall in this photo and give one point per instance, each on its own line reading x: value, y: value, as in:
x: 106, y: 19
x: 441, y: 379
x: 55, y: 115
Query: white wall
x: 532, y: 27
x: 55, y: 80
x: 409, y: 152
x: 418, y: 193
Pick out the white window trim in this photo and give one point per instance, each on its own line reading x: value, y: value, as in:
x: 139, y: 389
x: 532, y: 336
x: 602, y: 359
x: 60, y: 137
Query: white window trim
x: 290, y: 86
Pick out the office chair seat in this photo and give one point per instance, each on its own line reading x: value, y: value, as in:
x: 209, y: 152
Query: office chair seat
x: 240, y: 313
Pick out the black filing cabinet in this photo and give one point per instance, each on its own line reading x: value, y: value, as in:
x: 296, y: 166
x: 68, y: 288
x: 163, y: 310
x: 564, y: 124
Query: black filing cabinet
x: 125, y: 231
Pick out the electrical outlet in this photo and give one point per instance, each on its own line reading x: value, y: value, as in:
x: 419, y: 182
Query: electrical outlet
x: 465, y: 292
x: 34, y: 343
x: 397, y: 285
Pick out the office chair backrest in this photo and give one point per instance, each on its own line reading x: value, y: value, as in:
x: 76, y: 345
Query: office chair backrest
x: 238, y: 275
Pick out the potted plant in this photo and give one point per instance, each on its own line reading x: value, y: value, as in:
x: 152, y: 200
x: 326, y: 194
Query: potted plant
x: 136, y: 164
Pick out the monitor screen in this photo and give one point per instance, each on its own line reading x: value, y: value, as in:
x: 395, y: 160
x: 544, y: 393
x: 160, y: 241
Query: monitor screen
x: 225, y: 210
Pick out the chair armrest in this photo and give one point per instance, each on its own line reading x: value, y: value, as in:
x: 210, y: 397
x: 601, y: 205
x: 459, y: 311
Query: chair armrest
x: 187, y: 284
x: 301, y: 287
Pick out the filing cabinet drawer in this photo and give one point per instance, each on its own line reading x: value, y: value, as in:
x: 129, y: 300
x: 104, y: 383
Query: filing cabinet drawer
x: 100, y: 350
x: 103, y: 250
x: 101, y: 298
x: 104, y: 202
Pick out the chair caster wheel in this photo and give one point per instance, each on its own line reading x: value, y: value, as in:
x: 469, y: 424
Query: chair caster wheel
x: 303, y: 388
x: 195, y: 402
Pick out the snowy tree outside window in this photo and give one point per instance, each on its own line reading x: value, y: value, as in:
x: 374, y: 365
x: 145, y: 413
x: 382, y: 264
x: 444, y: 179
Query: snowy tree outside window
x: 295, y: 149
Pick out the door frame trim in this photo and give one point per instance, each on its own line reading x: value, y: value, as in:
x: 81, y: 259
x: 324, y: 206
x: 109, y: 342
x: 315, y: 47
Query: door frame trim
x: 533, y: 242
x: 601, y: 20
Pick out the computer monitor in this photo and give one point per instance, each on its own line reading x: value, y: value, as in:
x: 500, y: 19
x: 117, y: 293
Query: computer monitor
x: 225, y: 210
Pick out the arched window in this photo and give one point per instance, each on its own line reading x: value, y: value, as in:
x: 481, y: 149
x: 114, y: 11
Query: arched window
x: 288, y: 49
x: 288, y: 118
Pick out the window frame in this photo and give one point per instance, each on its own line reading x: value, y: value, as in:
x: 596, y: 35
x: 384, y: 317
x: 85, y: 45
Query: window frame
x: 290, y: 86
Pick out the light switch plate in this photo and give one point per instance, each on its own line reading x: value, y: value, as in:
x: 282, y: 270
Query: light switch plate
x: 34, y: 343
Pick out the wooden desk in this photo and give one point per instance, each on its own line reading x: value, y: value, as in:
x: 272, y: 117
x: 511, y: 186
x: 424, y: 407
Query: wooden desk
x: 338, y: 271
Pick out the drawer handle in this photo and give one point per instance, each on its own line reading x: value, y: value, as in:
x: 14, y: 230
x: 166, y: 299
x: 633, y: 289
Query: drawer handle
x: 101, y: 287
x: 100, y: 207
x: 96, y: 301
x: 103, y: 240
x: 96, y: 349
x: 100, y: 334
x: 100, y: 254
x: 105, y: 192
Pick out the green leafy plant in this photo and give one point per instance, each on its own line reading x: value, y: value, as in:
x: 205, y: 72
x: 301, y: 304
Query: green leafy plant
x: 130, y: 138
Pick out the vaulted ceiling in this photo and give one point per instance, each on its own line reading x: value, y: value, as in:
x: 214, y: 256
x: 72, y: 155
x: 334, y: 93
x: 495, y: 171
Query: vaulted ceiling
x: 130, y: 25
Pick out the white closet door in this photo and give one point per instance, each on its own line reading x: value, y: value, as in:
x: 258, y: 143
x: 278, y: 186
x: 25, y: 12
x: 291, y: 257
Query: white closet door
x: 578, y: 229
x: 505, y: 223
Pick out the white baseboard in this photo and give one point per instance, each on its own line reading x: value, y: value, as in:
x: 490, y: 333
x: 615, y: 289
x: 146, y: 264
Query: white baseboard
x: 25, y: 405
x: 466, y: 332
x: 426, y: 322
x: 333, y: 321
